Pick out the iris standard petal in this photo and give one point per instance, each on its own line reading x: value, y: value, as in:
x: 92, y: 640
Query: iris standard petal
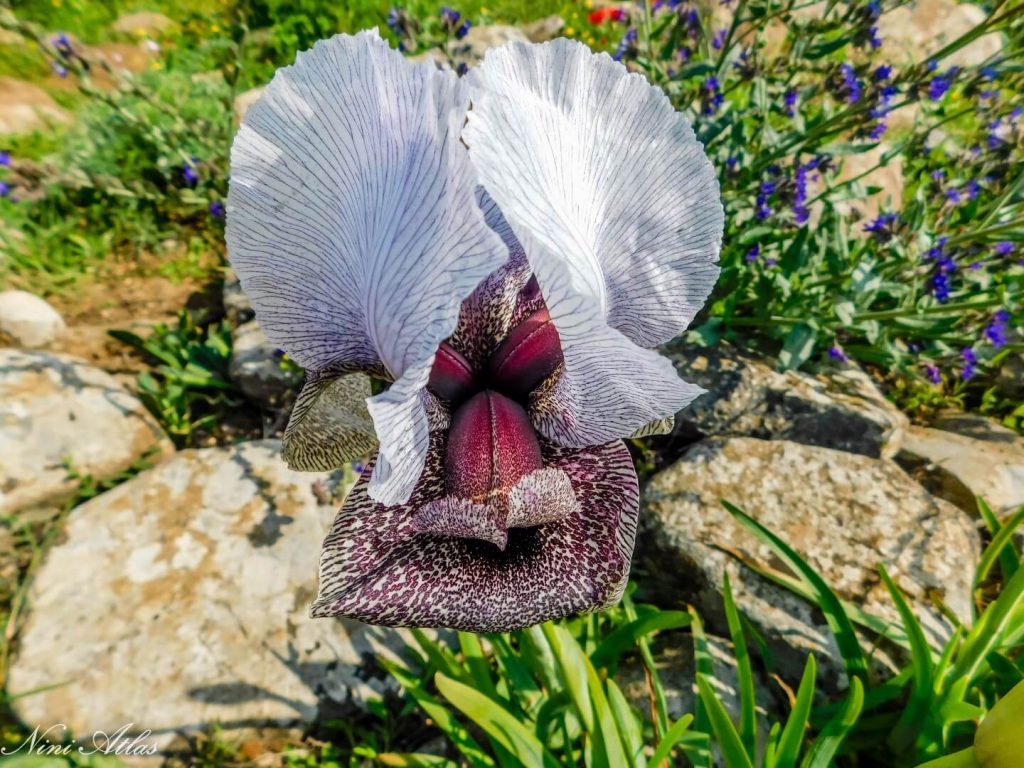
x: 353, y: 224
x: 605, y: 176
x: 375, y: 566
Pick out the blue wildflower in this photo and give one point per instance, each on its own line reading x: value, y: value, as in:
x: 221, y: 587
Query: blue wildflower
x: 217, y: 209
x: 449, y: 15
x: 878, y: 130
x: 59, y: 69
x: 953, y: 195
x: 998, y: 331
x: 970, y: 363
x: 463, y: 29
x: 973, y: 189
x: 933, y: 373
x: 989, y: 73
x: 719, y: 40
x: 358, y: 467
x: 883, y: 72
x: 883, y: 224
x: 837, y: 353
x: 762, y: 210
x: 189, y: 175
x: 395, y: 21
x: 625, y: 44
x: 753, y: 253
x: 789, y: 100
x: 5, y: 158
x: 873, y: 39
x: 5, y: 189
x: 1005, y: 248
x: 850, y: 82
x: 940, y: 84
x: 62, y: 45
x: 732, y: 162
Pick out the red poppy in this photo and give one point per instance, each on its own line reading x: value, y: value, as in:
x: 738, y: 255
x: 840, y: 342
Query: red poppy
x: 601, y: 15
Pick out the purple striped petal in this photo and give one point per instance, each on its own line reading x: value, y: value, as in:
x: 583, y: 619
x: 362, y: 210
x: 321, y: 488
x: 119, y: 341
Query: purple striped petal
x: 377, y: 568
x: 353, y: 225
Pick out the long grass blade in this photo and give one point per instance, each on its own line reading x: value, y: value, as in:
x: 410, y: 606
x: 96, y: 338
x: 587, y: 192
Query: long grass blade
x: 831, y: 737
x: 795, y: 730
x: 671, y: 738
x: 726, y: 736
x: 1001, y: 547
x: 744, y: 672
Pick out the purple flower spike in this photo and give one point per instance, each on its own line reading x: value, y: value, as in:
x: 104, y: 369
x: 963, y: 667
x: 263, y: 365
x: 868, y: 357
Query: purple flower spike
x: 932, y: 372
x: 5, y: 158
x: 189, y: 175
x: 217, y: 209
x: 514, y: 354
x: 5, y: 189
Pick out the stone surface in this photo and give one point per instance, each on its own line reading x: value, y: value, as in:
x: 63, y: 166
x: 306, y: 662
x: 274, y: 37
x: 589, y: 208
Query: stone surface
x: 186, y: 605
x: 245, y: 100
x: 882, y: 186
x: 148, y: 23
x: 967, y: 457
x: 842, y: 512
x: 28, y: 321
x: 746, y: 396
x: 56, y: 410
x: 912, y: 32
x: 544, y: 29
x: 676, y: 667
x: 236, y: 304
x: 256, y: 367
x: 25, y: 107
x: 479, y: 40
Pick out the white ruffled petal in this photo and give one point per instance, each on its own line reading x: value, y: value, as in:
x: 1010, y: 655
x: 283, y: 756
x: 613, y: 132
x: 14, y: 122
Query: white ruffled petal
x: 597, y: 167
x: 353, y: 224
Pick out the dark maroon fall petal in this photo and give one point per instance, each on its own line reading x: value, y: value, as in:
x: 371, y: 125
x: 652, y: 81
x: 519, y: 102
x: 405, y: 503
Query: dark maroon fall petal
x: 452, y: 376
x: 376, y: 568
x: 491, y: 444
x: 530, y: 354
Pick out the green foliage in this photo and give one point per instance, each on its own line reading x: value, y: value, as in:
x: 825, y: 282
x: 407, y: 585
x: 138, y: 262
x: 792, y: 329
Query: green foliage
x: 189, y: 390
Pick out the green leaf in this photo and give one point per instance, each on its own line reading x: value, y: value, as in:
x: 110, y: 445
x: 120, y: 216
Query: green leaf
x: 744, y: 673
x: 670, y: 739
x: 831, y: 737
x: 479, y: 669
x: 988, y: 632
x: 725, y: 732
x: 628, y: 725
x: 793, y: 733
x: 1001, y: 547
x: 919, y: 702
x: 798, y: 347
x: 846, y: 638
x: 628, y: 635
x: 496, y: 721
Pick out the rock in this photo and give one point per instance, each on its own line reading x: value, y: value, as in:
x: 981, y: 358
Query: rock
x: 56, y: 412
x: 25, y: 107
x: 237, y: 306
x: 144, y: 24
x: 843, y: 513
x: 983, y: 460
x: 746, y: 396
x: 28, y: 321
x: 479, y: 40
x: 245, y: 100
x: 544, y: 29
x: 913, y: 32
x: 674, y: 661
x: 187, y: 605
x: 256, y: 367
x: 887, y: 180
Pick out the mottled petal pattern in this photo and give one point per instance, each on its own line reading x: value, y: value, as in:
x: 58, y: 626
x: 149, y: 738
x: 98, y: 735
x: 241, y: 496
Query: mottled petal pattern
x: 329, y: 425
x: 353, y: 224
x: 605, y: 176
x: 375, y: 566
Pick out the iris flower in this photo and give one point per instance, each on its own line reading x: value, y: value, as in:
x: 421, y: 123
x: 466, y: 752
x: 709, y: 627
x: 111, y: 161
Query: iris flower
x: 501, y: 252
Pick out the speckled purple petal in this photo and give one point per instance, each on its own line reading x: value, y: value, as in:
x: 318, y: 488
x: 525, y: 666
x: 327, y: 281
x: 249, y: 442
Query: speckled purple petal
x: 376, y: 568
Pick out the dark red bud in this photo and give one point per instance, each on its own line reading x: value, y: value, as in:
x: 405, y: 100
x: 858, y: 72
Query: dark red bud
x: 491, y: 445
x: 529, y: 355
x: 452, y: 377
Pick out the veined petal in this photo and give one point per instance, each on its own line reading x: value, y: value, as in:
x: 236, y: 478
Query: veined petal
x: 375, y: 566
x: 353, y: 223
x: 329, y: 425
x: 595, y: 165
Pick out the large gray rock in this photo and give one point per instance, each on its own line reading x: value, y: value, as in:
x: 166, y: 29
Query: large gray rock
x: 57, y: 412
x: 257, y: 370
x: 28, y: 320
x: 915, y: 31
x: 237, y: 306
x: 842, y: 512
x: 747, y: 397
x: 180, y: 600
x: 965, y: 458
